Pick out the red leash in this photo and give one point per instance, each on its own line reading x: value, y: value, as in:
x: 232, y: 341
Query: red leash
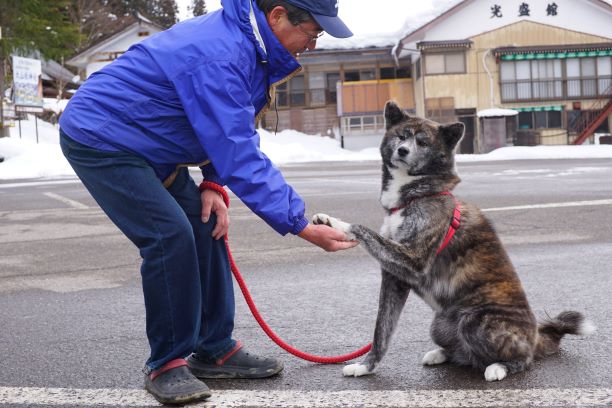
x: 257, y: 315
x: 274, y: 336
x: 247, y: 295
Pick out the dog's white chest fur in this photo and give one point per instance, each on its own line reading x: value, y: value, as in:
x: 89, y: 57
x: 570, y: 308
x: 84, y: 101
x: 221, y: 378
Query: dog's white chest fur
x: 391, y: 198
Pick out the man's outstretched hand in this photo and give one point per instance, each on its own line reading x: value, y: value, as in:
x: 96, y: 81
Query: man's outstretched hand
x: 329, y: 239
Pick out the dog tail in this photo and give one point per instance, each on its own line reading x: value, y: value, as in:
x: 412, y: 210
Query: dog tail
x: 551, y: 331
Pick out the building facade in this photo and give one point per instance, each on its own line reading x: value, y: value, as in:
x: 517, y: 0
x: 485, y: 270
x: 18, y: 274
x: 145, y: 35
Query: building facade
x: 549, y: 60
x: 341, y: 93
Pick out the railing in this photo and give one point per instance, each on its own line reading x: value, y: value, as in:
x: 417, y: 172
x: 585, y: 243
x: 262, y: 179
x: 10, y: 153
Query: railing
x: 587, y: 122
x: 552, y: 89
x: 316, y: 97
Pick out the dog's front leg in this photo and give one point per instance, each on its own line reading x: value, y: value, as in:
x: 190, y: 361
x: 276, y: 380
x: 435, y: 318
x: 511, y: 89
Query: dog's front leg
x: 393, y: 295
x: 394, y: 257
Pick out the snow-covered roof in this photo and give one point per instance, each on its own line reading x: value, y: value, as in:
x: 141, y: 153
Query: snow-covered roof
x: 496, y: 112
x: 327, y: 42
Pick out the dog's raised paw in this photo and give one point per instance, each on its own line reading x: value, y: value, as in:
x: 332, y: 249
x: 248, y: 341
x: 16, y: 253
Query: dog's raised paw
x: 335, y: 223
x: 355, y: 370
x: 322, y: 219
x: 495, y: 372
x: 434, y: 357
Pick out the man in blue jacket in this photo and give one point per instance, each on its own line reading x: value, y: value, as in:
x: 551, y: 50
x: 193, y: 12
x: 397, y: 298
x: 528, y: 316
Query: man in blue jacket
x: 191, y: 95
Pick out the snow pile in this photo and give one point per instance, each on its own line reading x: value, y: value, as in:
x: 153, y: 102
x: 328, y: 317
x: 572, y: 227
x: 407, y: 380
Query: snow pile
x: 541, y: 153
x: 290, y: 146
x: 24, y: 158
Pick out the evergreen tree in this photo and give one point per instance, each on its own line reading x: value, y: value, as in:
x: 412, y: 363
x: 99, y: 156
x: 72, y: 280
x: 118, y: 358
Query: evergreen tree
x: 36, y: 25
x: 198, y: 7
x: 164, y: 12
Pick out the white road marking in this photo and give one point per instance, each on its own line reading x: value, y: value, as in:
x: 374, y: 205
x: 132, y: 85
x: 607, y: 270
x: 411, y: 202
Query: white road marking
x: 40, y: 183
x: 572, y: 397
x: 552, y: 205
x: 66, y: 200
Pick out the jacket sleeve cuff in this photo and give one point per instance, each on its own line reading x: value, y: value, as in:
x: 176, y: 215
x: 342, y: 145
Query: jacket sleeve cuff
x: 299, y: 226
x: 209, y: 174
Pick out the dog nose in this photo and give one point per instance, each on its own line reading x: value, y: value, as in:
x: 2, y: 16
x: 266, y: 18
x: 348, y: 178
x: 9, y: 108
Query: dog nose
x: 402, y: 151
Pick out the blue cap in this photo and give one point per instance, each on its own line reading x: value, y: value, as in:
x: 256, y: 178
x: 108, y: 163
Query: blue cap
x: 325, y: 13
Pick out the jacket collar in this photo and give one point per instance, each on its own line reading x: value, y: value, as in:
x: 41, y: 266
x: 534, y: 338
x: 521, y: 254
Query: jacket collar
x: 282, y: 66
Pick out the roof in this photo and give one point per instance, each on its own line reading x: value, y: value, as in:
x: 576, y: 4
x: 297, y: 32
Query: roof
x: 132, y: 21
x: 478, y: 24
x: 422, y: 45
x: 51, y: 70
x: 553, y: 48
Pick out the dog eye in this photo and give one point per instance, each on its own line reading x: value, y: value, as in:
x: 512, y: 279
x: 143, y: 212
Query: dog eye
x: 405, y: 134
x: 421, y: 143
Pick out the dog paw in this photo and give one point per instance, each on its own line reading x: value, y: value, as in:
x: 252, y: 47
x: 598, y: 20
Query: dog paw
x: 495, y: 372
x: 434, y: 357
x: 322, y: 219
x: 355, y: 370
x: 335, y: 223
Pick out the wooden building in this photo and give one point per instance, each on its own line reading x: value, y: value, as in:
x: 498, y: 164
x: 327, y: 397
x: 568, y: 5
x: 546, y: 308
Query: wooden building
x: 341, y: 93
x: 550, y: 61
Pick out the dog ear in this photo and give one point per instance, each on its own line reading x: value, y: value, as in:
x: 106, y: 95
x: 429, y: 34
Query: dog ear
x: 451, y: 134
x: 393, y: 114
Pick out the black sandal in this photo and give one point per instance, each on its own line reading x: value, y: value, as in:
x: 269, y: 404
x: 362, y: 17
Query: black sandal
x: 175, y: 384
x: 238, y: 363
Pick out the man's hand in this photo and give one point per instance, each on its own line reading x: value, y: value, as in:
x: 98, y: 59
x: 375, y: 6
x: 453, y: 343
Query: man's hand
x: 326, y: 237
x: 213, y: 202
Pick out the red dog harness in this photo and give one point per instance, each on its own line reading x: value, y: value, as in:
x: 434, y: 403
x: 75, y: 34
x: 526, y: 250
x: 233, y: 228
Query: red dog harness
x: 455, y: 222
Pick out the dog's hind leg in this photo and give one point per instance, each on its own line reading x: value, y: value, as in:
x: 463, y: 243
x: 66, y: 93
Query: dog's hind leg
x: 393, y: 295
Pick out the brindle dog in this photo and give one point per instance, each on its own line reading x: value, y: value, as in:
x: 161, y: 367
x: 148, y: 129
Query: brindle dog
x: 482, y: 317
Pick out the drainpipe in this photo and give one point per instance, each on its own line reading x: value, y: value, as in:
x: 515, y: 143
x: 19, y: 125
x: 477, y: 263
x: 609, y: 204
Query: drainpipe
x: 486, y: 68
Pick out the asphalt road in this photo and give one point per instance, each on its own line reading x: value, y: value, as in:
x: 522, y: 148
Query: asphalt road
x: 72, y: 315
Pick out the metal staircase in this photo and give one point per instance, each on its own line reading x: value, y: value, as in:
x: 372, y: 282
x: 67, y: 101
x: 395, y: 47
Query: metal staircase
x: 590, y: 120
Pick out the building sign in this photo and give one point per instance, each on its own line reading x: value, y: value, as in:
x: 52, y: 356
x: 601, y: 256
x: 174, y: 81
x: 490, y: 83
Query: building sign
x: 27, y: 82
x: 524, y: 10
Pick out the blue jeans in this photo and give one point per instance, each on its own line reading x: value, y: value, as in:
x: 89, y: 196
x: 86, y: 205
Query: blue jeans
x: 186, y: 277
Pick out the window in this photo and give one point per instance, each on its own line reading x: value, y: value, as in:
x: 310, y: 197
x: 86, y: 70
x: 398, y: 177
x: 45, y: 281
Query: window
x: 545, y: 79
x: 316, y: 86
x: 525, y: 120
x: 447, y: 63
x: 281, y: 95
x: 554, y: 119
x: 434, y: 63
x: 291, y: 93
x: 454, y: 63
x: 332, y: 79
x: 523, y: 73
x: 297, y: 91
x: 539, y: 120
x: 362, y: 75
x: 363, y: 125
x: 393, y: 73
x: 604, y: 73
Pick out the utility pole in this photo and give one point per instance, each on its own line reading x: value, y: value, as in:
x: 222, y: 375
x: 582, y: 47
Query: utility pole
x: 1, y: 86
